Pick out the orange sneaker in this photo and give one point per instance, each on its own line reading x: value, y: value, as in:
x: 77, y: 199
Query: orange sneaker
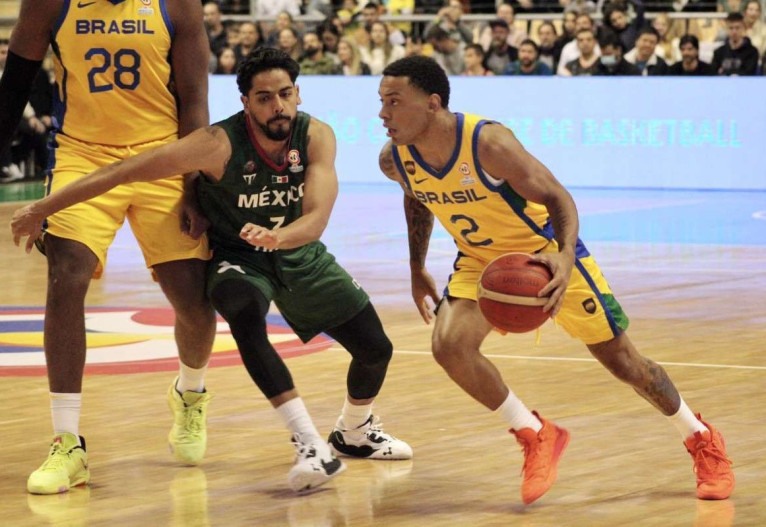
x: 542, y: 451
x: 715, y: 479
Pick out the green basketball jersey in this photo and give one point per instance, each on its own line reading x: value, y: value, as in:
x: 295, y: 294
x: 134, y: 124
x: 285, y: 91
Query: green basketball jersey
x: 253, y: 188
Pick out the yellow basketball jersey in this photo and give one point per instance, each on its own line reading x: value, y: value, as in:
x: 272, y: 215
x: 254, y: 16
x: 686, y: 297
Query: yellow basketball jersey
x: 484, y: 215
x: 113, y: 71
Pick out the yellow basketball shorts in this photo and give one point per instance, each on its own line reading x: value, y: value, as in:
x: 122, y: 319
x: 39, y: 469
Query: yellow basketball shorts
x: 590, y: 311
x: 153, y: 209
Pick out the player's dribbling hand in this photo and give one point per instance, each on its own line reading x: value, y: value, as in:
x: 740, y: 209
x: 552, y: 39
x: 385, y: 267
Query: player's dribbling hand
x: 423, y: 286
x: 26, y: 222
x: 193, y: 222
x: 258, y: 236
x: 560, y: 264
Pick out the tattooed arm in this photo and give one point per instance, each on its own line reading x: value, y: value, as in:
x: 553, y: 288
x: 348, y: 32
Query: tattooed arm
x: 207, y: 150
x: 420, y: 223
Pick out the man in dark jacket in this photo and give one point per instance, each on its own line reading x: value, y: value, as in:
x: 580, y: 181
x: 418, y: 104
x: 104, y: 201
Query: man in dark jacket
x: 690, y: 63
x: 737, y: 56
x: 611, y: 61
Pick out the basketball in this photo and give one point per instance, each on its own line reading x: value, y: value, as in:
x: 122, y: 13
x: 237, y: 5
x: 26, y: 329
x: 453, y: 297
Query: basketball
x: 507, y: 292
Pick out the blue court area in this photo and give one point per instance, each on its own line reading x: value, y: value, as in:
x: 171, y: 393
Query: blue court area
x: 367, y: 216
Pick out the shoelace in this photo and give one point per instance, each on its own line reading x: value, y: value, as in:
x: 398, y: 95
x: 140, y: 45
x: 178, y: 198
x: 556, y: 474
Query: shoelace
x: 304, y: 450
x: 707, y: 453
x: 531, y: 453
x: 56, y: 458
x: 193, y: 419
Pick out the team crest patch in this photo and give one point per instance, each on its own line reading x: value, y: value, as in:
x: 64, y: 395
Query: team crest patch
x: 409, y: 166
x: 464, y: 169
x: 146, y: 2
x: 249, y: 166
x: 294, y: 158
x: 129, y: 340
x: 589, y: 305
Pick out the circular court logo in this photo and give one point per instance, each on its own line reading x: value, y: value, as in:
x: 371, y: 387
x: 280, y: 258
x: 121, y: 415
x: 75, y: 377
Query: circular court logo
x: 126, y: 340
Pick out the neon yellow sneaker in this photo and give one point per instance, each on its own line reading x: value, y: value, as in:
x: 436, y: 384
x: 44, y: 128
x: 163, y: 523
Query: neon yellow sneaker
x: 188, y: 437
x: 66, y: 467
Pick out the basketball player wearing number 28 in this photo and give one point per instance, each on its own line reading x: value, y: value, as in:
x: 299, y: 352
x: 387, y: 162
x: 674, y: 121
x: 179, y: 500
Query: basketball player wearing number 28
x: 128, y: 79
x: 493, y: 197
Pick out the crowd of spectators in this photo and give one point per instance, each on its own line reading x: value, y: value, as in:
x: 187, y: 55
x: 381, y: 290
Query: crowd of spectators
x: 602, y: 37
x: 586, y: 37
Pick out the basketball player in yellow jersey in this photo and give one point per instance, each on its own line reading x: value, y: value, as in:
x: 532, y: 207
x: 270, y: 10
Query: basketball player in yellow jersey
x: 493, y: 197
x: 123, y: 67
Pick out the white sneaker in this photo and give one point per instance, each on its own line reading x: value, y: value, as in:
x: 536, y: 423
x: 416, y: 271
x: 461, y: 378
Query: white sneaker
x: 314, y: 465
x: 11, y: 173
x: 367, y: 441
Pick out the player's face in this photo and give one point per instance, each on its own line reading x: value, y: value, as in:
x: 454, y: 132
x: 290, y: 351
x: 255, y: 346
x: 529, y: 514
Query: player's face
x: 272, y: 103
x: 406, y: 111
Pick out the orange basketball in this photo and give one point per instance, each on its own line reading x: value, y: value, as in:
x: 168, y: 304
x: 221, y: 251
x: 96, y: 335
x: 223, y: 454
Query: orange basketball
x: 508, y: 290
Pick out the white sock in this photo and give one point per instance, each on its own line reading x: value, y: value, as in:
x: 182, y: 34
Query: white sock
x: 355, y: 415
x: 190, y: 379
x: 297, y: 418
x: 685, y: 421
x: 517, y: 415
x: 65, y: 412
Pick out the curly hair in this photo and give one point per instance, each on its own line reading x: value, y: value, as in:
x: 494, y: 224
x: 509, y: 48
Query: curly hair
x: 264, y: 59
x: 424, y: 73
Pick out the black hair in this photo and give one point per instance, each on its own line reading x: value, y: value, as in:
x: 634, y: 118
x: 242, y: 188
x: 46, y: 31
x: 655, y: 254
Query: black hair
x: 689, y: 39
x: 735, y: 17
x: 610, y: 39
x: 424, y: 73
x: 477, y: 48
x: 264, y: 59
x: 648, y: 30
x: 530, y: 42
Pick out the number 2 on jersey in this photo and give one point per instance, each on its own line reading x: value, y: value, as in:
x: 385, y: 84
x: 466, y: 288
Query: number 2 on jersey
x: 126, y: 73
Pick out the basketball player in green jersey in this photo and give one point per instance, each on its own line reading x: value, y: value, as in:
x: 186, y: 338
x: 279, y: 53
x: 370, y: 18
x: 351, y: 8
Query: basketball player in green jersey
x: 493, y: 197
x: 268, y: 188
x: 129, y: 77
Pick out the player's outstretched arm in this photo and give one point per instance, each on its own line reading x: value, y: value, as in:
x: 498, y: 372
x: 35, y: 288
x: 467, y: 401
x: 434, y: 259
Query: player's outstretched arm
x: 420, y: 224
x: 207, y: 150
x: 29, y: 43
x: 319, y: 193
x: 503, y: 157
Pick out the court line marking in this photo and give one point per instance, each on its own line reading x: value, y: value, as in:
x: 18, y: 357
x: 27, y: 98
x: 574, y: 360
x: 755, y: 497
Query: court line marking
x: 581, y: 359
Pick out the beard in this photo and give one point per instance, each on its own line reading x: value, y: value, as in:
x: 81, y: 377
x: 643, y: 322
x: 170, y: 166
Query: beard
x: 280, y: 133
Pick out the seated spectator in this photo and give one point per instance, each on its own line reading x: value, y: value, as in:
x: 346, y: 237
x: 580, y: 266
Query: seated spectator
x: 415, y: 46
x: 371, y: 14
x: 401, y: 8
x: 567, y: 36
x: 226, y: 62
x: 616, y: 18
x: 330, y: 37
x: 587, y: 61
x: 249, y: 39
x: 643, y: 55
x: 690, y: 63
x: 289, y: 43
x: 571, y: 50
x: 755, y: 29
x: 500, y: 53
x: 737, y: 56
x: 232, y: 35
x: 379, y: 52
x: 546, y: 41
x: 506, y: 13
x: 449, y: 19
x: 216, y: 32
x: 528, y: 63
x: 473, y: 57
x: 667, y: 48
x: 611, y: 61
x: 284, y: 20
x: 448, y: 52
x: 315, y: 61
x: 350, y: 58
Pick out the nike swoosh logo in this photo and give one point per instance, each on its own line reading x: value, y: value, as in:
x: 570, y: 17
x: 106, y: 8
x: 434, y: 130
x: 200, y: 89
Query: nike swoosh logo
x: 419, y: 181
x: 84, y: 4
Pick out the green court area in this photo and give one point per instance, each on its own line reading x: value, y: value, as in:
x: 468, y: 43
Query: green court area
x: 23, y: 191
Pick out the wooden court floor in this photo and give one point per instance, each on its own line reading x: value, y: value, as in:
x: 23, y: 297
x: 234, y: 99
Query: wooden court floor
x: 698, y: 309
